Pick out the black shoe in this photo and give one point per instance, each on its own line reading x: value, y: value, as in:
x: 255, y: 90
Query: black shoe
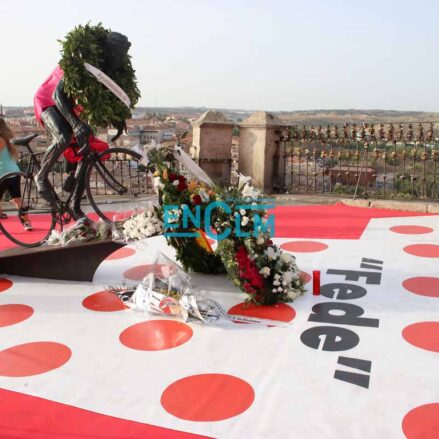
x: 69, y: 183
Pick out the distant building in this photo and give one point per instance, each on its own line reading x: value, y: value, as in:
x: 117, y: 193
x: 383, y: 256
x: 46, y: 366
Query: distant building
x: 143, y: 135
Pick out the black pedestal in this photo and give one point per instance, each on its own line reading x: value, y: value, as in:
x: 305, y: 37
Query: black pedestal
x: 76, y: 262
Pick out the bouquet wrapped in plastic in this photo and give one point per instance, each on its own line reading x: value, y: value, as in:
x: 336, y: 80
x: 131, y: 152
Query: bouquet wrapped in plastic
x: 167, y: 290
x: 79, y: 232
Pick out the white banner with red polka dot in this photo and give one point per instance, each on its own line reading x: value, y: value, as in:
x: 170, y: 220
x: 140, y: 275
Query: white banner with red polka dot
x: 361, y: 360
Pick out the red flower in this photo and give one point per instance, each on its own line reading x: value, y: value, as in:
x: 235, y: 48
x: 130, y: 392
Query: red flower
x: 248, y: 288
x: 196, y: 199
x: 248, y: 271
x: 181, y: 186
x: 172, y: 177
x: 181, y: 179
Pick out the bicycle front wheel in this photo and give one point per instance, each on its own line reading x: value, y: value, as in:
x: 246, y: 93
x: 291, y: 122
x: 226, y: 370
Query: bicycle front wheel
x: 117, y: 175
x: 29, y: 225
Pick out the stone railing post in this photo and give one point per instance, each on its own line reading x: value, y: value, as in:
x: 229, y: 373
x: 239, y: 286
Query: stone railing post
x: 212, y: 145
x: 261, y: 154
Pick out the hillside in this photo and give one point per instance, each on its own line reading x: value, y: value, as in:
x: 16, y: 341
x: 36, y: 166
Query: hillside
x: 309, y: 117
x: 338, y: 117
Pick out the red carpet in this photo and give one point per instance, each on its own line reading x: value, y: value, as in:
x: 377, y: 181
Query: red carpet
x: 328, y: 221
x: 322, y: 221
x: 23, y: 416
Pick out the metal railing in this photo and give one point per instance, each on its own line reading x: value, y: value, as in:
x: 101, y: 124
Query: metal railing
x: 368, y: 160
x: 133, y: 176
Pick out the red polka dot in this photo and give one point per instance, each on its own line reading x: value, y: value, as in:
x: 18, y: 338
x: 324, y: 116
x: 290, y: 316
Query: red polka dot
x: 305, y: 276
x: 33, y: 358
x: 121, y: 253
x: 103, y: 301
x: 139, y: 272
x: 422, y: 422
x: 424, y: 286
x: 5, y: 284
x: 207, y: 397
x: 156, y: 335
x: 424, y: 335
x: 280, y: 311
x: 14, y: 313
x: 424, y: 250
x: 304, y: 246
x: 411, y: 230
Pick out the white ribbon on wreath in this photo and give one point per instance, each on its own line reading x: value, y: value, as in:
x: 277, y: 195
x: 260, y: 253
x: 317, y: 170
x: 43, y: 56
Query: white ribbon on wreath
x: 109, y: 83
x: 191, y: 166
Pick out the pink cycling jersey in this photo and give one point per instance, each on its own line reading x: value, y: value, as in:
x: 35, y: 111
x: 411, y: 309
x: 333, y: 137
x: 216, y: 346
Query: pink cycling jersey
x: 44, y: 96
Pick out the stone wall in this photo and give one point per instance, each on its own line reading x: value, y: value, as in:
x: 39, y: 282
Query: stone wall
x: 260, y: 154
x: 260, y: 151
x: 212, y: 145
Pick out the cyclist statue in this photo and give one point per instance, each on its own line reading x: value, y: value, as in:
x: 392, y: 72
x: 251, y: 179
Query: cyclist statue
x: 63, y: 107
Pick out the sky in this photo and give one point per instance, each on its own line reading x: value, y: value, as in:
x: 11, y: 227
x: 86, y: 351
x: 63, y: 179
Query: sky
x: 271, y: 55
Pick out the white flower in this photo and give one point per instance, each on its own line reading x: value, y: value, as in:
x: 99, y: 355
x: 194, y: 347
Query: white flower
x: 175, y: 182
x: 276, y: 283
x: 280, y: 289
x: 260, y: 240
x: 250, y: 192
x: 242, y: 180
x: 157, y: 183
x: 292, y: 295
x: 286, y: 257
x: 244, y: 221
x: 242, y: 212
x: 265, y: 271
x: 288, y: 276
x: 271, y: 253
x: 274, y: 290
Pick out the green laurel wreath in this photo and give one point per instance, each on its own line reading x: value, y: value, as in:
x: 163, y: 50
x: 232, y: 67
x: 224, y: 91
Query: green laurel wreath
x: 100, y: 106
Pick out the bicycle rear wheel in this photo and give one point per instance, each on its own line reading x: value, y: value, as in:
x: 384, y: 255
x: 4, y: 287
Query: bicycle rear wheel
x: 34, y: 209
x: 117, y: 175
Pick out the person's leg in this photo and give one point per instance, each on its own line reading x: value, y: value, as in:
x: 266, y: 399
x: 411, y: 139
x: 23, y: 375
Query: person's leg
x: 15, y: 192
x: 3, y: 187
x: 62, y: 135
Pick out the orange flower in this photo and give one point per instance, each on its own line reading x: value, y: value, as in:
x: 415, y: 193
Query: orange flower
x: 192, y: 185
x: 165, y: 174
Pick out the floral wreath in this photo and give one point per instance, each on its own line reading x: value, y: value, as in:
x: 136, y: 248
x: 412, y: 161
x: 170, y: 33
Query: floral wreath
x: 84, y: 44
x: 175, y: 189
x: 267, y: 274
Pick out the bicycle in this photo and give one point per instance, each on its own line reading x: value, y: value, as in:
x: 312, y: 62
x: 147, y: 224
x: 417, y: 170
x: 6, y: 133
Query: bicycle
x: 99, y: 171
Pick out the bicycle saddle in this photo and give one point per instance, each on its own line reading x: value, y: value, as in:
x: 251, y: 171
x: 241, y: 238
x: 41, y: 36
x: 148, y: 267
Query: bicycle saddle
x: 23, y: 141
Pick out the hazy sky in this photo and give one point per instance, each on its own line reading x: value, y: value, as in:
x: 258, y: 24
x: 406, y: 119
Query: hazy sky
x: 267, y: 55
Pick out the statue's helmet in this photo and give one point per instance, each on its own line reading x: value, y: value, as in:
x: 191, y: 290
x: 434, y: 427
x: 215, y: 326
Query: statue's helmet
x: 116, y: 48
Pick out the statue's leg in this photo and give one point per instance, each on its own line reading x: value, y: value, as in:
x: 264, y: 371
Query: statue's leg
x: 62, y: 135
x: 78, y: 192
